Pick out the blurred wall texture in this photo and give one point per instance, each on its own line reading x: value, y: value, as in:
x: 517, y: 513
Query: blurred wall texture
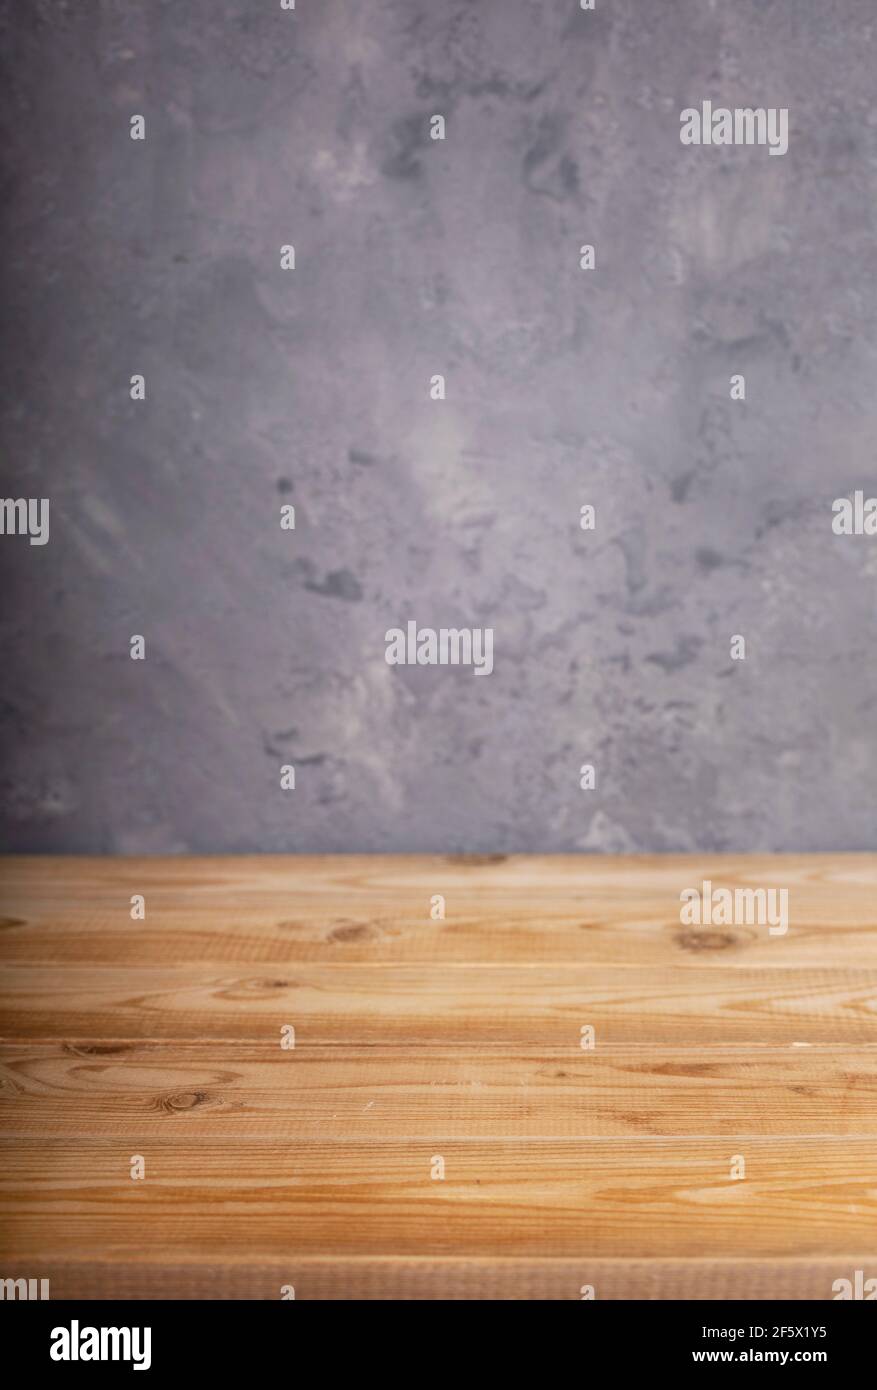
x: 310, y: 386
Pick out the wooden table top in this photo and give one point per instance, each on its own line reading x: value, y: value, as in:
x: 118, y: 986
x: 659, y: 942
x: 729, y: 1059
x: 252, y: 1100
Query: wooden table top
x: 441, y: 1127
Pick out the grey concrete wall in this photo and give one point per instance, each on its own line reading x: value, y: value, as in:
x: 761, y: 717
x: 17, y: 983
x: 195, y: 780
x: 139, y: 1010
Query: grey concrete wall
x: 564, y: 387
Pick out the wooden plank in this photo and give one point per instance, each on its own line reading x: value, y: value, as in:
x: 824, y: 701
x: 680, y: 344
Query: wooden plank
x: 239, y: 1092
x: 470, y: 1005
x: 254, y: 911
x: 449, y: 1277
x: 415, y: 1038
x: 656, y: 1199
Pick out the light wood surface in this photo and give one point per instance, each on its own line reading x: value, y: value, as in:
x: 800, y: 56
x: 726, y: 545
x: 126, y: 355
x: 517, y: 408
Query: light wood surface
x: 417, y: 1039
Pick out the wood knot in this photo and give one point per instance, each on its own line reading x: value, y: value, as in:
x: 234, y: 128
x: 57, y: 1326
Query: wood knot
x: 183, y: 1100
x: 701, y: 940
x: 350, y: 931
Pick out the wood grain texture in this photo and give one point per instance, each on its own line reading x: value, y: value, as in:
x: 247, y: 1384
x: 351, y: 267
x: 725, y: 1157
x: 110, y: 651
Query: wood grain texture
x: 187, y: 1092
x: 530, y: 909
x: 416, y: 1039
x: 451, y: 1277
x: 652, y: 1198
x: 471, y: 1005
